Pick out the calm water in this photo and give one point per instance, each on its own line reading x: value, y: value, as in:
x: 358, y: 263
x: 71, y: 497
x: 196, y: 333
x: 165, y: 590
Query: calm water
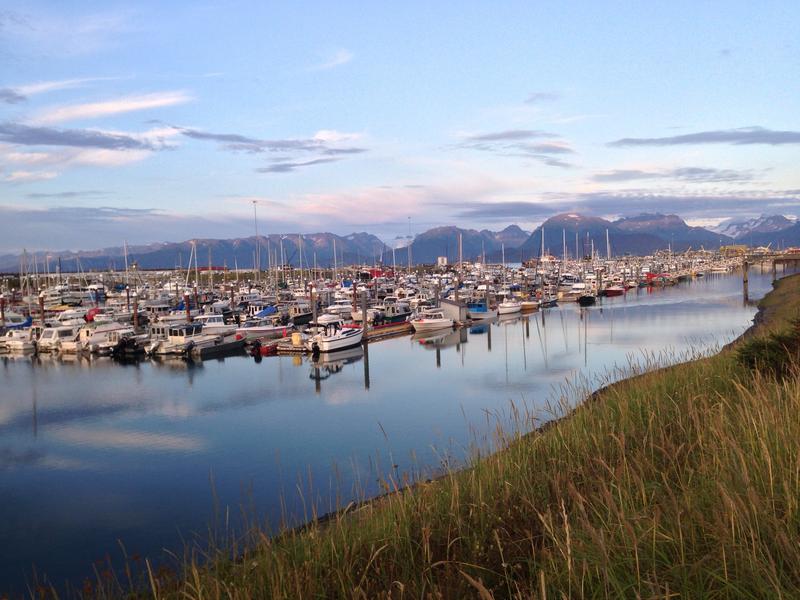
x: 92, y: 452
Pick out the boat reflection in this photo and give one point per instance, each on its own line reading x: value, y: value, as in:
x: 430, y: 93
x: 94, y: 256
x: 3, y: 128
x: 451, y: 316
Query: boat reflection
x: 331, y: 363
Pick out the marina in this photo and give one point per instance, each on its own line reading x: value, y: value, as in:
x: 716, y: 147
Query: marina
x: 139, y: 450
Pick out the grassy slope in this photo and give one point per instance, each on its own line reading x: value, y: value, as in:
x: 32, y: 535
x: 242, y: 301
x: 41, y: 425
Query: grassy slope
x: 680, y: 481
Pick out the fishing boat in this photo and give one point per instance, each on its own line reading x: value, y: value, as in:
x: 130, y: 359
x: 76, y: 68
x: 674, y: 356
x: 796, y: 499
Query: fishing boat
x: 332, y: 337
x: 430, y: 320
x: 587, y: 299
x: 478, y: 311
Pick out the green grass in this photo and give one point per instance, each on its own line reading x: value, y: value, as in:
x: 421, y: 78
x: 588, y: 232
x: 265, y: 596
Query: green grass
x: 683, y: 482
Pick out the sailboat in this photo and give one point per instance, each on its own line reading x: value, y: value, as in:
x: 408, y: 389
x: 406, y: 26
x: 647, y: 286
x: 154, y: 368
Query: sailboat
x: 508, y: 305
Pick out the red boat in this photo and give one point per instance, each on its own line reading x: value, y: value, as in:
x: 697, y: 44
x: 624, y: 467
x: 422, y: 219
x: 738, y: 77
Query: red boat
x: 615, y: 290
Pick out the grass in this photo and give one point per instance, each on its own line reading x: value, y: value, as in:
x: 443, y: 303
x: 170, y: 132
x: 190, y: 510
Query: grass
x: 683, y: 481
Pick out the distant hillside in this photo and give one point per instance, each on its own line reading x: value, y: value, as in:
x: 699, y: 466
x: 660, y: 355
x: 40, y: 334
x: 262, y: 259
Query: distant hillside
x: 783, y: 238
x: 643, y: 234
x: 673, y: 229
x: 350, y: 249
x: 443, y: 241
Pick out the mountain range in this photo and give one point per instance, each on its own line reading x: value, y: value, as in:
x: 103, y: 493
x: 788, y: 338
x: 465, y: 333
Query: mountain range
x: 578, y: 234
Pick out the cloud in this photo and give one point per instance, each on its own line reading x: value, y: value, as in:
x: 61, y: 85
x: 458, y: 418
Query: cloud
x: 25, y: 135
x: 537, y: 97
x: 10, y: 96
x: 508, y: 135
x: 633, y: 201
x: 686, y: 174
x: 20, y: 93
x: 341, y: 57
x: 288, y: 167
x: 25, y: 176
x: 517, y: 143
x: 126, y: 104
x: 740, y: 136
x: 320, y: 144
x: 68, y: 195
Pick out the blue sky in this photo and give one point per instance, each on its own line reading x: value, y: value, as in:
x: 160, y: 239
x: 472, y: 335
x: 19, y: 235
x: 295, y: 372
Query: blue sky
x: 164, y: 121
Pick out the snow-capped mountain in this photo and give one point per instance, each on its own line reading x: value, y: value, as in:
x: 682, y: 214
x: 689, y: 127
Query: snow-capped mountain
x: 741, y: 228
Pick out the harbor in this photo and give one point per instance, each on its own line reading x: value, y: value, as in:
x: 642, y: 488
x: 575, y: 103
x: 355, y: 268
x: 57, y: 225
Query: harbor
x: 197, y: 314
x: 99, y: 449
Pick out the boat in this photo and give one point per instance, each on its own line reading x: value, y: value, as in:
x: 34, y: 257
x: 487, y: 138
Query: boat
x: 222, y: 344
x: 478, y: 311
x: 340, y: 308
x: 178, y: 340
x: 431, y: 319
x: 300, y: 313
x: 507, y: 307
x: 529, y: 305
x: 51, y: 338
x: 254, y: 329
x: 614, y: 290
x: 395, y: 312
x: 332, y: 337
x: 587, y: 299
x: 215, y: 324
x: 18, y: 341
x: 548, y: 303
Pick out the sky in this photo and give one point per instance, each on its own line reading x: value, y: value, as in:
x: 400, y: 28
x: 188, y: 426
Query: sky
x: 166, y: 121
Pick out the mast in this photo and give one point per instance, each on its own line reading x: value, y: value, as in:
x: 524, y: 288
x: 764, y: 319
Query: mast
x: 608, y: 246
x: 257, y: 260
x: 334, y: 260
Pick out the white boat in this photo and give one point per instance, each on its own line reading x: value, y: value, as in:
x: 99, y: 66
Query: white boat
x: 260, y: 328
x: 17, y: 341
x: 431, y: 319
x: 215, y: 324
x: 178, y: 339
x: 508, y: 307
x: 91, y: 336
x: 340, y: 308
x: 52, y: 337
x: 332, y: 337
x: 527, y: 305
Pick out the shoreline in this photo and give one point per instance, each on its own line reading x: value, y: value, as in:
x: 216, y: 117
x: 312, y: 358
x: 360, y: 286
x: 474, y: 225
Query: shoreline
x: 355, y: 514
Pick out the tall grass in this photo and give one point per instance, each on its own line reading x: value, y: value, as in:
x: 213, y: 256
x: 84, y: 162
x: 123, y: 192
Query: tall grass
x: 683, y: 481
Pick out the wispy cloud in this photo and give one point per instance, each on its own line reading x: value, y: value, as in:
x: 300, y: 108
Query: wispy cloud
x: 9, y: 96
x: 740, y: 136
x: 508, y: 135
x: 686, y: 174
x: 322, y: 144
x: 539, y: 97
x: 68, y: 194
x: 26, y: 176
x: 288, y: 167
x: 26, y: 135
x: 632, y: 201
x: 519, y: 143
x: 339, y: 58
x: 108, y: 108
